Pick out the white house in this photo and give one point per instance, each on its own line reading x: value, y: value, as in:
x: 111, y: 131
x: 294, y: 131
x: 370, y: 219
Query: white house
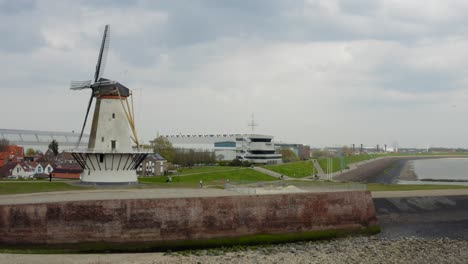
x: 23, y: 170
x: 46, y: 168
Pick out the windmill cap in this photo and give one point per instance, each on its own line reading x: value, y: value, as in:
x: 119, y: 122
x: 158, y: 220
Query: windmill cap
x: 105, y: 87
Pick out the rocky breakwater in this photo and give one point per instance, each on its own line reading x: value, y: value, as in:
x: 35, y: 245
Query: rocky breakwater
x: 352, y: 250
x: 347, y: 250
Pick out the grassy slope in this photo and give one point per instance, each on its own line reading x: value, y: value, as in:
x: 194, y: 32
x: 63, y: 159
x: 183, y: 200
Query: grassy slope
x: 295, y: 169
x: 204, y: 169
x: 210, y: 178
x: 32, y: 187
x: 347, y: 160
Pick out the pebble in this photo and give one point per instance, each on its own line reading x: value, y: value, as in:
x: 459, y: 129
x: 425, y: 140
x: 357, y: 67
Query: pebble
x: 345, y: 250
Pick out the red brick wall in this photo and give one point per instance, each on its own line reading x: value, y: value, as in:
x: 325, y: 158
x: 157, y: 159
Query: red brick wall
x: 183, y: 218
x: 65, y: 175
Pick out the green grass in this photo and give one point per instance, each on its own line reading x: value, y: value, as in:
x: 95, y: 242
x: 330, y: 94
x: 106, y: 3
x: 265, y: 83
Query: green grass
x: 205, y: 169
x: 295, y: 169
x: 209, y: 178
x: 411, y: 187
x: 250, y: 240
x: 33, y: 187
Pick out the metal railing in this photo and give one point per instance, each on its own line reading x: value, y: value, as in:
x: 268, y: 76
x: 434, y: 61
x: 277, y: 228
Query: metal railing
x: 250, y: 188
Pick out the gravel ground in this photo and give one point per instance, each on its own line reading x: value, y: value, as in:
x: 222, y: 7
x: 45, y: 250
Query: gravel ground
x: 345, y: 250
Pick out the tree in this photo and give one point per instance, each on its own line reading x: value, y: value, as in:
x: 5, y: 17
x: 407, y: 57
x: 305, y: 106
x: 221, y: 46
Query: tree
x: 163, y: 147
x: 4, y: 143
x: 30, y: 152
x: 347, y: 151
x: 54, y: 147
x: 288, y: 155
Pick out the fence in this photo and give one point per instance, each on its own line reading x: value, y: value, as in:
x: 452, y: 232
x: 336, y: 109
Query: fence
x: 251, y: 188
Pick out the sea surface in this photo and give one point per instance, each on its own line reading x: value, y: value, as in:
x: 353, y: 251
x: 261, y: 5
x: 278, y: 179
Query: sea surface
x: 440, y: 169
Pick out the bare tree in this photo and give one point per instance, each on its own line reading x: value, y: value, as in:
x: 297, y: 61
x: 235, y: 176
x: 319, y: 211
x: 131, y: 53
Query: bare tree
x: 4, y: 143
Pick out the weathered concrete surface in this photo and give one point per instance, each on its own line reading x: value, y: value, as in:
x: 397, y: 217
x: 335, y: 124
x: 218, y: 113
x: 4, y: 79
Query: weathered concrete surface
x: 367, y: 171
x: 423, y: 216
x: 171, y: 219
x: 381, y: 170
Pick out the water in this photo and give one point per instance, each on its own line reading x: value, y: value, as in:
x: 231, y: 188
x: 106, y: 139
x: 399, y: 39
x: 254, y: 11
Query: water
x: 440, y: 169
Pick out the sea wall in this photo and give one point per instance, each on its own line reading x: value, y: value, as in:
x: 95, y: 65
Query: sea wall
x: 423, y: 216
x: 175, y: 219
x: 368, y: 171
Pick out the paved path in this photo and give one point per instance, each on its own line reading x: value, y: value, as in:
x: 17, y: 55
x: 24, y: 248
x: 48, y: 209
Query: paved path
x: 419, y: 193
x: 319, y: 169
x: 111, y: 195
x: 214, y: 171
x: 271, y: 173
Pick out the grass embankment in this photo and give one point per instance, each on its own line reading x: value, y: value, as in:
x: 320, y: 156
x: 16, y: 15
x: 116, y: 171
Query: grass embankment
x: 210, y: 179
x: 234, y: 243
x: 205, y: 169
x: 295, y: 169
x: 34, y: 187
x: 374, y: 187
x: 336, y: 166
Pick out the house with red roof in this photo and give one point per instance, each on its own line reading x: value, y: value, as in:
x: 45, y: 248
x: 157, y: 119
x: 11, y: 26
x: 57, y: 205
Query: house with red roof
x: 67, y: 171
x: 7, y: 169
x: 11, y: 153
x: 23, y: 170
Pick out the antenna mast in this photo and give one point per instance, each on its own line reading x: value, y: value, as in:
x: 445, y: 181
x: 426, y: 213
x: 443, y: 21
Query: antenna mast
x: 252, y: 124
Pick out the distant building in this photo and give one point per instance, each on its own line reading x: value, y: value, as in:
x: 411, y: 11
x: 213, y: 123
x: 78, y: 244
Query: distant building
x: 302, y: 151
x: 254, y: 148
x: 153, y: 165
x: 225, y: 150
x: 12, y: 153
x: 67, y: 171
x: 40, y: 140
x: 7, y: 169
x: 23, y: 170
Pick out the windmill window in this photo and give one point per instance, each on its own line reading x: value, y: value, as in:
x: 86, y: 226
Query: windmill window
x: 102, y: 139
x: 101, y: 158
x: 113, y: 144
x: 113, y: 115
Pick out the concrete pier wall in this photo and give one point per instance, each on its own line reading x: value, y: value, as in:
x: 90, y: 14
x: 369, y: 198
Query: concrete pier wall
x: 173, y: 219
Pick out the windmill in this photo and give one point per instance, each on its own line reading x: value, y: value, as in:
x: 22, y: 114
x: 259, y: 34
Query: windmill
x: 110, y: 141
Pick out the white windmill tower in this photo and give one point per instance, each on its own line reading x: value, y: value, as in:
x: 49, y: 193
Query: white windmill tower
x: 110, y: 157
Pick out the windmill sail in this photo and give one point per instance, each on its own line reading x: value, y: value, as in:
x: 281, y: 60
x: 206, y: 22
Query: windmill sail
x: 79, y: 85
x: 86, y: 118
x: 101, y: 63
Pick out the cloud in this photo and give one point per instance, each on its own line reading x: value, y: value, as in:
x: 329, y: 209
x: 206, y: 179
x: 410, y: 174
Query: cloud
x: 314, y: 72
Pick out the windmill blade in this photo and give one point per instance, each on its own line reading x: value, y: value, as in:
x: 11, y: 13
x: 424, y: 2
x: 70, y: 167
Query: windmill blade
x: 79, y: 85
x: 101, y: 63
x: 86, y: 118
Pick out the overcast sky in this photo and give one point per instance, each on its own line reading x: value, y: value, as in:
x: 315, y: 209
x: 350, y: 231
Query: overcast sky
x: 314, y: 72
